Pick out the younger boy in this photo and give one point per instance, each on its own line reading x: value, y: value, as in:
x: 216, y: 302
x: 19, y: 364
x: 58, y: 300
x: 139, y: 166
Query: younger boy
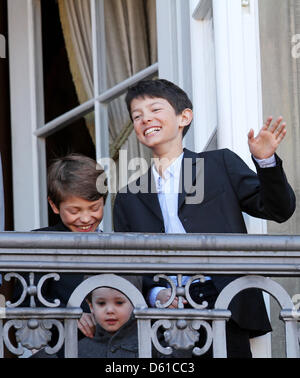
x: 78, y: 196
x: 116, y: 328
x: 73, y: 194
x: 162, y: 113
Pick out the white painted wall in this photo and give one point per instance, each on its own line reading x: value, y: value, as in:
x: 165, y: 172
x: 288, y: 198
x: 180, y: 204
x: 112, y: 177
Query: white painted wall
x: 28, y: 152
x: 174, y: 49
x: 239, y: 95
x: 204, y: 78
x: 238, y: 80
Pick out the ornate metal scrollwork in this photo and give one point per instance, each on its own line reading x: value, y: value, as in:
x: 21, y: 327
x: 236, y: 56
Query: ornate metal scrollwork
x: 33, y: 334
x: 204, y: 304
x: 40, y: 284
x: 182, y: 335
x: 173, y: 291
x: 48, y: 323
x: 166, y: 324
x: 18, y: 325
x: 197, y: 324
x: 23, y: 282
x: 180, y: 291
x: 32, y: 290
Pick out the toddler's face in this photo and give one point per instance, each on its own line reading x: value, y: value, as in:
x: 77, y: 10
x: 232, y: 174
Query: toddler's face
x: 111, y: 308
x: 78, y: 214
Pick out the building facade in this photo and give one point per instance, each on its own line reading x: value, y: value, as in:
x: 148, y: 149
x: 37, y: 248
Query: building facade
x: 66, y: 67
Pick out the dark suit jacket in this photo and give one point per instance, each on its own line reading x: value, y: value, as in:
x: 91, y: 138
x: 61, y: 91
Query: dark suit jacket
x: 51, y: 289
x: 67, y: 283
x: 230, y: 188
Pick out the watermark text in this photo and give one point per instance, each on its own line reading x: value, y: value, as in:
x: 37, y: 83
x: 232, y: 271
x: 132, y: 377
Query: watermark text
x: 132, y: 176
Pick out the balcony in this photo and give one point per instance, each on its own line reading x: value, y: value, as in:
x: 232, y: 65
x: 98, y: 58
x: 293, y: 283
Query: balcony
x: 257, y: 258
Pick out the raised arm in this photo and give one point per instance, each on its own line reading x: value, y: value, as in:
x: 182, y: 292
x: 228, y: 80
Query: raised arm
x: 265, y: 144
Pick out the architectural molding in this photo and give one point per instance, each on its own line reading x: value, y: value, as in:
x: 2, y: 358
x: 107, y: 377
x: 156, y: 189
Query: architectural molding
x: 2, y: 47
x: 238, y: 72
x: 204, y: 79
x: 203, y: 10
x: 174, y: 47
x: 27, y: 114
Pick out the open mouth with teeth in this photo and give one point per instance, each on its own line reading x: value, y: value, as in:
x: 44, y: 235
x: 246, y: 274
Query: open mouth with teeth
x: 152, y: 131
x: 85, y: 228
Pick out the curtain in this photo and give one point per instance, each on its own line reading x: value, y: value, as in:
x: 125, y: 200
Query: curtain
x: 75, y: 17
x: 130, y: 28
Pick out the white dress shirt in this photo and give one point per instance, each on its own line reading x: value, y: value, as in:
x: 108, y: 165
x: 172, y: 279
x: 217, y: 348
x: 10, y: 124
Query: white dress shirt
x: 167, y: 191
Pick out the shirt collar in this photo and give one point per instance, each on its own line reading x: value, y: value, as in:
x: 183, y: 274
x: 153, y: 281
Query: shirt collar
x: 172, y: 171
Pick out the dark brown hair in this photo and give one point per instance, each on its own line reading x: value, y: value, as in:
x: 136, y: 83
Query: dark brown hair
x: 76, y: 175
x: 160, y: 88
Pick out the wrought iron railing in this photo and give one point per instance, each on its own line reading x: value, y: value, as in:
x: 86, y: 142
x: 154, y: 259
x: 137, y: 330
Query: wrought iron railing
x: 103, y: 256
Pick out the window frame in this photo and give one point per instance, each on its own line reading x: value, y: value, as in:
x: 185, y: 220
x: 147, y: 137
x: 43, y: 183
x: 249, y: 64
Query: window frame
x: 35, y: 129
x: 176, y: 51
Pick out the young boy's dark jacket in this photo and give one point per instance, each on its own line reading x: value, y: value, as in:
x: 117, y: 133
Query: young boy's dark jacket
x: 67, y: 283
x: 51, y: 290
x: 230, y: 188
x: 61, y: 289
x: 122, y: 344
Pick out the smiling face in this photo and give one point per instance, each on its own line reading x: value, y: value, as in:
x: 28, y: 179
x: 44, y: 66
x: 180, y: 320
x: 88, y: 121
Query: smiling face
x: 111, y: 308
x: 157, y: 125
x: 78, y: 214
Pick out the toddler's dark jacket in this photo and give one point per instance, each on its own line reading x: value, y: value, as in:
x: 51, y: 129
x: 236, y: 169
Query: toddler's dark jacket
x: 122, y: 344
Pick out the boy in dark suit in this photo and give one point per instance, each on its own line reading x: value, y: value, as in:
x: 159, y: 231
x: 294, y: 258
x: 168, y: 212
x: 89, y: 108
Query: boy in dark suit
x: 162, y: 113
x: 77, y: 195
x: 74, y: 196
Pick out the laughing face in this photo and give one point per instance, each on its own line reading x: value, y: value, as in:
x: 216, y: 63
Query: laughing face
x: 157, y: 125
x: 78, y: 214
x: 110, y: 308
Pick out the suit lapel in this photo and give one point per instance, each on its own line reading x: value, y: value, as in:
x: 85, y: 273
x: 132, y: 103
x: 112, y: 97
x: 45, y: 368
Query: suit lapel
x: 148, y: 194
x: 192, y: 170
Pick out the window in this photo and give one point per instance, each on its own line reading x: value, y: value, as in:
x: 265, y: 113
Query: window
x: 114, y: 46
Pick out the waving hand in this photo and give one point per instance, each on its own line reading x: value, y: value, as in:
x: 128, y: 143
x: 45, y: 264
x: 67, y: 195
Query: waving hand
x: 268, y: 139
